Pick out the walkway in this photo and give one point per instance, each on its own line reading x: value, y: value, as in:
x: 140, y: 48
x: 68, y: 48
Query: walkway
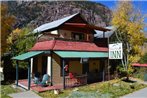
x: 138, y: 94
x: 26, y: 94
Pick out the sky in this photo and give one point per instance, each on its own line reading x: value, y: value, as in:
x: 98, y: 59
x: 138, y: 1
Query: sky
x: 142, y: 5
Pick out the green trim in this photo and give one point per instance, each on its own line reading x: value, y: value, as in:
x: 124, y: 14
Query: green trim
x: 27, y: 55
x: 78, y: 54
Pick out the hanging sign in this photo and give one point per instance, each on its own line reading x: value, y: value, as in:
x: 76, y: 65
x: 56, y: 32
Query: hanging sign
x: 115, y: 51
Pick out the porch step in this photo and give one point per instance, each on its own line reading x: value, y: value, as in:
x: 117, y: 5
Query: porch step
x: 19, y: 84
x: 39, y: 89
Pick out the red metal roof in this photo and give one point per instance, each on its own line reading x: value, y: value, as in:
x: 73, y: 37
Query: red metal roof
x: 67, y: 45
x: 140, y: 65
x: 45, y: 45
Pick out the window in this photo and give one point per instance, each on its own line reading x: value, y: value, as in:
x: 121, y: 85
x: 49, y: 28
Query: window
x: 78, y: 36
x: 55, y: 32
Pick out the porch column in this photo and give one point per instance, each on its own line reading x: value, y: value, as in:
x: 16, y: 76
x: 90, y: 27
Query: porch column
x: 108, y: 61
x: 63, y: 64
x: 104, y: 71
x: 29, y: 75
x: 108, y: 68
x: 103, y: 74
x: 49, y: 67
x: 31, y: 67
x: 103, y: 34
x: 16, y: 73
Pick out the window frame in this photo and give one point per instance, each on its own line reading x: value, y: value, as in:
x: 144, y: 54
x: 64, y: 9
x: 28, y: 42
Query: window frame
x: 81, y: 36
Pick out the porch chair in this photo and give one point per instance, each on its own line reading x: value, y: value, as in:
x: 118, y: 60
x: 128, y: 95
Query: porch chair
x: 45, y: 80
x: 73, y: 78
x: 71, y: 75
x: 37, y: 78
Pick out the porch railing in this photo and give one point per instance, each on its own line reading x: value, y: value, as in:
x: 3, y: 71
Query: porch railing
x: 76, y: 81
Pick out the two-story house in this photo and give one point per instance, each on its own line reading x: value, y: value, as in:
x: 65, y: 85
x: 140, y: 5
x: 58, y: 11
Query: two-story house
x: 67, y: 41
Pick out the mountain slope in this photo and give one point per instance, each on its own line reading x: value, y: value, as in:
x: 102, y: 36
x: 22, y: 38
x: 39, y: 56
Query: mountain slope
x: 35, y: 13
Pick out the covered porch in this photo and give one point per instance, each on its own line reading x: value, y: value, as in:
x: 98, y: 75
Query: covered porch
x: 28, y: 58
x: 83, y: 65
x: 29, y: 82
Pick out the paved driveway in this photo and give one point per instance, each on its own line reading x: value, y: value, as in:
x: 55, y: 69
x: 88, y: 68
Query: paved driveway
x: 26, y: 94
x: 138, y: 94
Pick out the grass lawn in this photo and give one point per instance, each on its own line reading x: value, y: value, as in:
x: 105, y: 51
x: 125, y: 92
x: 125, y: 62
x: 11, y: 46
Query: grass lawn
x: 7, y: 89
x: 109, y: 89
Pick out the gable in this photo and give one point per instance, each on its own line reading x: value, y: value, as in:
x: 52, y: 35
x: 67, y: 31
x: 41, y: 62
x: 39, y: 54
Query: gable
x: 77, y: 19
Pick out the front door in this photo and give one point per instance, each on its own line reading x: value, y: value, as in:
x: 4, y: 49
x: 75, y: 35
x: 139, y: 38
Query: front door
x: 44, y: 65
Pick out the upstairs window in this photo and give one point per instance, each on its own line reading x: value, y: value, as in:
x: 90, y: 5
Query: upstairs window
x: 78, y: 36
x: 55, y: 32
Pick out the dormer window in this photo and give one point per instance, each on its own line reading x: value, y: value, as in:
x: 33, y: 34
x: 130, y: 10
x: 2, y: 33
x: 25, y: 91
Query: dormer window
x: 78, y: 36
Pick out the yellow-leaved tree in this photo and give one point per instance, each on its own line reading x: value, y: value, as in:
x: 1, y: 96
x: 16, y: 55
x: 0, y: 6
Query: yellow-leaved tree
x: 130, y: 26
x: 6, y: 26
x: 20, y: 41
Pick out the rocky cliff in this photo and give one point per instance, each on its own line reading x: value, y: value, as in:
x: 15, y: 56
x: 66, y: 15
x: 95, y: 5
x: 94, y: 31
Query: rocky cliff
x: 35, y: 13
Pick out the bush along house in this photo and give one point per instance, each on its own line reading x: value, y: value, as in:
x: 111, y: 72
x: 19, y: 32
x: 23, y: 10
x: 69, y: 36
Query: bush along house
x: 66, y: 52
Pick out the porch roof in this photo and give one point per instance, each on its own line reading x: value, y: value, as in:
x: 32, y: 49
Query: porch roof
x: 27, y: 55
x: 78, y: 54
